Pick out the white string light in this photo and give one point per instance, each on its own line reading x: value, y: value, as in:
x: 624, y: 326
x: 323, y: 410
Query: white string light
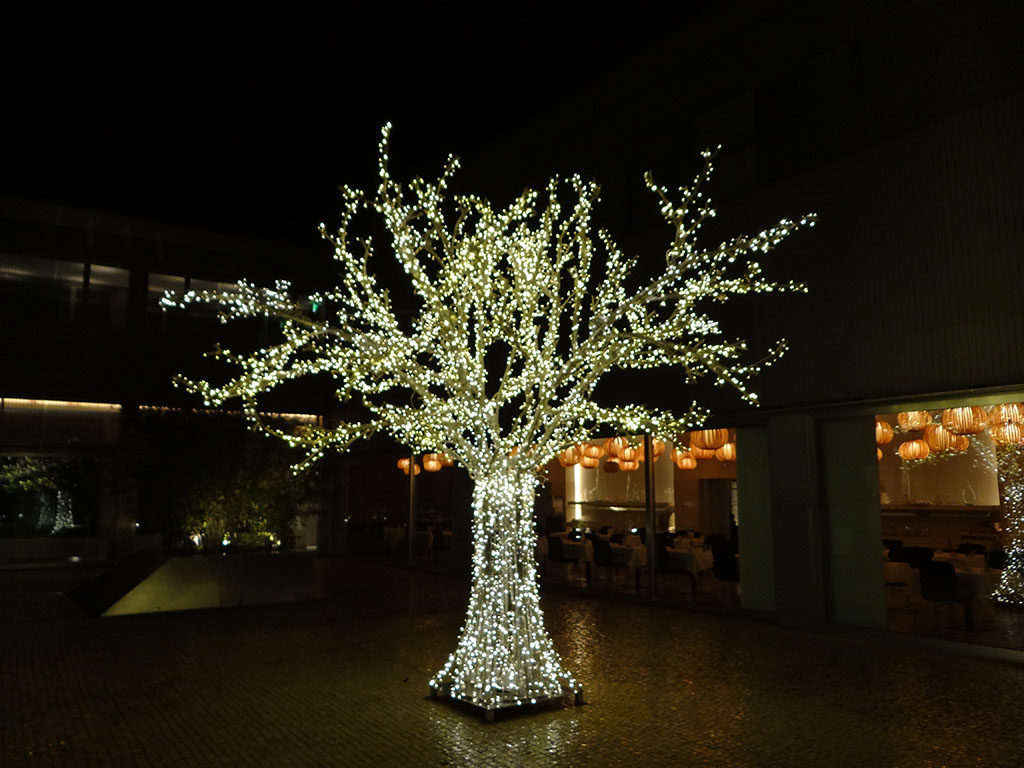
x: 533, y: 281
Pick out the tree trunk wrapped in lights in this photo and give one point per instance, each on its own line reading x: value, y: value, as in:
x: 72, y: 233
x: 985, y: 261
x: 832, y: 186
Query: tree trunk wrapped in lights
x: 533, y: 285
x: 1010, y: 464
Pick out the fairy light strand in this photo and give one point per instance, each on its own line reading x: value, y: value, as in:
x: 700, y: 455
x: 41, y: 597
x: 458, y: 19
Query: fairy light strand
x: 564, y: 305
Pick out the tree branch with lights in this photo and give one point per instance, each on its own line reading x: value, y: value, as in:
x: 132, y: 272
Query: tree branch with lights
x: 560, y: 304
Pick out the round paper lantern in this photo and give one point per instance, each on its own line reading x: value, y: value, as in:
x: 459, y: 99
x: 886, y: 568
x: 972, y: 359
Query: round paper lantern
x: 701, y: 453
x: 939, y: 438
x: 960, y: 444
x: 911, y: 420
x: 592, y: 451
x: 615, y: 444
x: 1006, y: 413
x: 965, y: 420
x: 629, y: 454
x: 569, y: 456
x: 709, y: 439
x: 879, y: 450
x: 1006, y: 434
x: 686, y: 461
x: 589, y: 462
x: 403, y: 464
x: 432, y: 462
x: 726, y: 453
x: 628, y: 466
x: 883, y: 432
x: 914, y: 450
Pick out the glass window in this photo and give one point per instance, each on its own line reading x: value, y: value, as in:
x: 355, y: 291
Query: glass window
x: 157, y: 318
x: 108, y: 295
x: 39, y: 290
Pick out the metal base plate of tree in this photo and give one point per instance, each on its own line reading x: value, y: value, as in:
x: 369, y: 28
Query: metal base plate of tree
x: 534, y: 286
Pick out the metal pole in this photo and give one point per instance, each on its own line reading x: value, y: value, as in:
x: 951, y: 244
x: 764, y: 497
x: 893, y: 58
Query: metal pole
x: 412, y: 507
x: 652, y: 520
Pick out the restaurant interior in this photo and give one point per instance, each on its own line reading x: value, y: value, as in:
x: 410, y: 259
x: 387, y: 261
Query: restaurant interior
x: 950, y: 502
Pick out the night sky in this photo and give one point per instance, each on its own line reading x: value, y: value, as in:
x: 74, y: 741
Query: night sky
x: 249, y: 124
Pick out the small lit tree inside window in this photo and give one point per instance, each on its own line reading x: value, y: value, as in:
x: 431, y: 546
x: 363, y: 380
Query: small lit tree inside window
x: 560, y: 304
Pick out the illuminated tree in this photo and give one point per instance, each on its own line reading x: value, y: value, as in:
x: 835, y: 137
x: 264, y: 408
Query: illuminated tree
x: 1010, y: 466
x: 533, y: 286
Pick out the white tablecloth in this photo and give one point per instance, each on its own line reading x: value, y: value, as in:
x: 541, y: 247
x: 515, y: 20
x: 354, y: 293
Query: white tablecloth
x: 631, y: 556
x: 692, y: 561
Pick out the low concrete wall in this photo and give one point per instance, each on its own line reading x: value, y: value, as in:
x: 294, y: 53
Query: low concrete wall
x: 219, y: 581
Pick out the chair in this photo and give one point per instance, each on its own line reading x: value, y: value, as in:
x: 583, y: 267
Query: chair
x: 939, y: 585
x: 970, y: 548
x: 556, y: 554
x: 726, y: 567
x: 915, y: 556
x: 603, y: 555
x: 997, y: 559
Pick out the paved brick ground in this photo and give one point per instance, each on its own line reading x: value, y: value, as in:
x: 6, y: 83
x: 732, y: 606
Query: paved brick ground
x: 344, y: 682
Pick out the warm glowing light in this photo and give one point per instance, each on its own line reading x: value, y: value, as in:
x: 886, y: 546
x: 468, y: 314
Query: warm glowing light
x: 559, y: 298
x: 883, y: 432
x: 965, y: 420
x: 914, y: 450
x: 913, y: 420
x: 1007, y: 434
x: 709, y: 439
x: 1006, y: 413
x: 432, y: 462
x: 727, y: 452
x: 939, y: 439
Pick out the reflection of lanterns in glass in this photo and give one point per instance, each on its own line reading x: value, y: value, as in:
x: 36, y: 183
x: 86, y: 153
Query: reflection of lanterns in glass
x: 432, y: 462
x: 726, y: 453
x: 709, y: 439
x: 1006, y: 413
x: 1006, y: 434
x: 911, y: 420
x: 965, y: 420
x: 914, y: 450
x: 883, y: 432
x: 939, y: 439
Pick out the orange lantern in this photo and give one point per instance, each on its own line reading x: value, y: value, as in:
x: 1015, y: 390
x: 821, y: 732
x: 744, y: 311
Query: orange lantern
x: 939, y: 438
x: 592, y: 451
x: 914, y: 450
x: 403, y: 464
x: 629, y: 454
x: 911, y: 420
x: 432, y: 462
x: 628, y: 466
x: 726, y: 453
x: 883, y: 432
x: 701, y: 453
x: 589, y: 461
x: 709, y: 439
x: 1006, y: 413
x: 965, y: 420
x: 879, y: 450
x: 613, y: 445
x: 686, y: 461
x: 1007, y: 434
x: 568, y: 457
x: 960, y: 444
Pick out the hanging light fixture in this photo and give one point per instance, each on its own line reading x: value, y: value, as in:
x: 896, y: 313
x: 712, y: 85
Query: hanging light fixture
x: 403, y: 464
x: 960, y: 444
x: 569, y: 456
x: 686, y: 461
x: 1006, y: 413
x: 939, y: 438
x: 701, y: 453
x: 432, y: 462
x: 912, y: 420
x: 965, y: 420
x: 883, y: 432
x: 727, y: 452
x: 628, y: 466
x: 709, y: 439
x: 914, y: 450
x: 1007, y: 434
